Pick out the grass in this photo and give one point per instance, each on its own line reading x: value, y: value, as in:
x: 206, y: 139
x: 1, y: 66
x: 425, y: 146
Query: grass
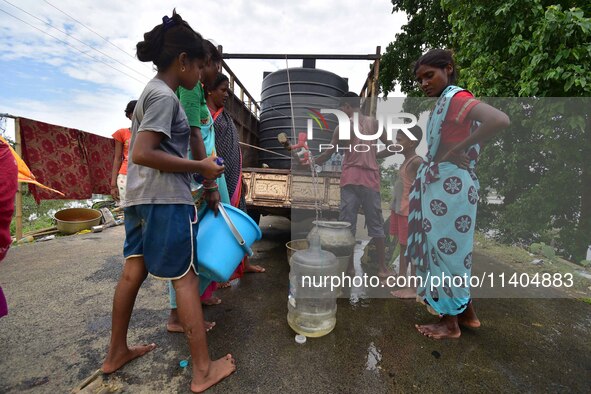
x: 36, y: 217
x: 521, y: 259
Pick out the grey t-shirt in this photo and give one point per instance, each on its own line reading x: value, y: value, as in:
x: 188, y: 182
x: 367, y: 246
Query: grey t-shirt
x: 159, y: 110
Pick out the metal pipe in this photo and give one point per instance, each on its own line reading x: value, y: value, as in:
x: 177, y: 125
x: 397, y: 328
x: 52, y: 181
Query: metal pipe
x: 299, y: 56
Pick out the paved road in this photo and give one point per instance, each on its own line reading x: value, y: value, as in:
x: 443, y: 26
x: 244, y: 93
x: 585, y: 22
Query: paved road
x: 60, y: 295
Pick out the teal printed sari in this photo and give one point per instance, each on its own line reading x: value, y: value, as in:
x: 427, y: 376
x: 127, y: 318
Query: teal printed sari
x: 208, y: 135
x: 442, y: 218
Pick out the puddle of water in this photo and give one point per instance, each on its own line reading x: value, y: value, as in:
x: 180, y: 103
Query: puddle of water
x: 373, y: 358
x: 358, y: 295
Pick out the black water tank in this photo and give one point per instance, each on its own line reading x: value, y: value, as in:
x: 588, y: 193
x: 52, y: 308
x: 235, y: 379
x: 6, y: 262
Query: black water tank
x: 311, y: 90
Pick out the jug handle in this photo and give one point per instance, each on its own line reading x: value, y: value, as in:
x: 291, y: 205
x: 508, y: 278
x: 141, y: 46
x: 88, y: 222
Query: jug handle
x: 234, y: 230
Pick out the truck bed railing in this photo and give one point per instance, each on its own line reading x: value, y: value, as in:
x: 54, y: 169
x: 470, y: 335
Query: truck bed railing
x: 370, y: 88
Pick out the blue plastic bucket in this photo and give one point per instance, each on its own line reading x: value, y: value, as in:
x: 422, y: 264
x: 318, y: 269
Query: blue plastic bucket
x: 218, y: 251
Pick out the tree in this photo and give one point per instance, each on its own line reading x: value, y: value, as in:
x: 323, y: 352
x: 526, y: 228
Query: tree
x: 427, y: 27
x: 529, y: 48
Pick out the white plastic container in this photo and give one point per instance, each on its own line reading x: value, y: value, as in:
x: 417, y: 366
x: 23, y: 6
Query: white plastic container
x: 311, y: 306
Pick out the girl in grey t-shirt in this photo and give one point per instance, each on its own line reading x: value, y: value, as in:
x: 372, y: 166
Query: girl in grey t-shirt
x: 160, y: 218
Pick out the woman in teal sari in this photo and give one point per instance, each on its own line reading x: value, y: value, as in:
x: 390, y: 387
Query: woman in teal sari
x: 444, y: 196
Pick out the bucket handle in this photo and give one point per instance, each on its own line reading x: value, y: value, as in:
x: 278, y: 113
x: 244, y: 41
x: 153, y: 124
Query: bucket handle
x: 234, y: 230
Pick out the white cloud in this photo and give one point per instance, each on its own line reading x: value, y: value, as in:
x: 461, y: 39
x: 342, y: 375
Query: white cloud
x: 280, y: 26
x: 97, y: 112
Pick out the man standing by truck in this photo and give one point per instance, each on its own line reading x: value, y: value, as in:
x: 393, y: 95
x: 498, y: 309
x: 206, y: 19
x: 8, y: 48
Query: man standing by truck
x: 360, y: 178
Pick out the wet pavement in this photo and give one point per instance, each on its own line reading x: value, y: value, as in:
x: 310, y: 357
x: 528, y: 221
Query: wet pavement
x: 57, y: 333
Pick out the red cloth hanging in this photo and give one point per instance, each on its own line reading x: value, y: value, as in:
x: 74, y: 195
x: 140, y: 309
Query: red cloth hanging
x: 72, y: 161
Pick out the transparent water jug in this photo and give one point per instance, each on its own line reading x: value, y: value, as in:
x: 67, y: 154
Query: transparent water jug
x: 312, y: 303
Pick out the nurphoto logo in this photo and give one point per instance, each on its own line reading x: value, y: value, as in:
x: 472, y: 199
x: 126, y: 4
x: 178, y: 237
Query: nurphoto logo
x: 393, y: 123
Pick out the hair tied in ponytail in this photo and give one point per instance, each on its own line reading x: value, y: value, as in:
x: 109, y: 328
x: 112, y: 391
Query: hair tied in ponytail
x: 167, y: 40
x: 167, y: 22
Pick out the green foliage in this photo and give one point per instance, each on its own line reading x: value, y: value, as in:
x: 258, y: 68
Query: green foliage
x: 536, y: 248
x: 36, y: 217
x: 541, y: 166
x: 537, y: 166
x: 542, y: 249
x: 387, y: 177
x: 427, y: 27
x: 548, y: 252
x: 533, y: 48
x: 522, y: 48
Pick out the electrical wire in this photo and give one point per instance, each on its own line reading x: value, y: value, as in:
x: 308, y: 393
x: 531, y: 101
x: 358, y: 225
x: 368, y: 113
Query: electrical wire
x: 91, y: 30
x: 71, y: 46
x: 80, y: 41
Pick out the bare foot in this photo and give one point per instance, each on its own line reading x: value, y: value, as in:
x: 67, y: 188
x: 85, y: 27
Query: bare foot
x: 446, y: 328
x: 257, y: 269
x: 213, y: 300
x: 218, y: 370
x: 174, y: 323
x: 116, y: 360
x: 468, y: 318
x: 223, y: 285
x: 407, y: 293
x: 177, y: 327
